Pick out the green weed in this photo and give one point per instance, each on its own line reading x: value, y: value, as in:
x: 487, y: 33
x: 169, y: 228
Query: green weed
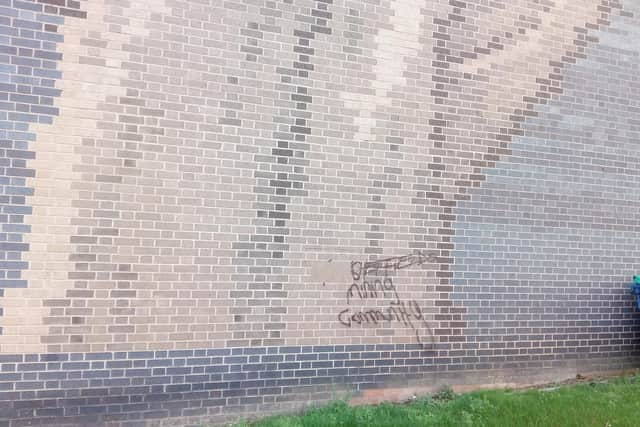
x: 611, y: 404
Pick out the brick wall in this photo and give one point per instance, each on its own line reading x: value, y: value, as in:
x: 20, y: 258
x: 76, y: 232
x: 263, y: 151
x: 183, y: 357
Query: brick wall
x: 215, y: 209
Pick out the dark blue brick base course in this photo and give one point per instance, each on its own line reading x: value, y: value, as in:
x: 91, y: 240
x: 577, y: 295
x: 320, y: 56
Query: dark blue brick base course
x: 130, y: 388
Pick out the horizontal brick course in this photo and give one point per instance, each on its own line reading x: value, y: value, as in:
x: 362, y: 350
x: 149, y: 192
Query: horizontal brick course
x: 81, y: 392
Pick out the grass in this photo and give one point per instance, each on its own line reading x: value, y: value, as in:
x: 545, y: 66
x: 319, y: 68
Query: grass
x: 612, y: 404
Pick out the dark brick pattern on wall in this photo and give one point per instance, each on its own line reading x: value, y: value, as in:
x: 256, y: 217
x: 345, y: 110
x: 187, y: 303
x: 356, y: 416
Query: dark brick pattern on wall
x: 28, y: 74
x: 560, y: 246
x: 138, y: 388
x: 280, y: 177
x: 236, y: 169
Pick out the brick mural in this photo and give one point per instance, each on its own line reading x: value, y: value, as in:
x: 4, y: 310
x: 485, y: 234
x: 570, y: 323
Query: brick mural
x: 213, y: 209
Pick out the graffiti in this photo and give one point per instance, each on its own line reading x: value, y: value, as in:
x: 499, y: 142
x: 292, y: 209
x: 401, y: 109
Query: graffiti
x: 369, y: 289
x: 360, y: 269
x: 371, y: 281
x: 407, y: 313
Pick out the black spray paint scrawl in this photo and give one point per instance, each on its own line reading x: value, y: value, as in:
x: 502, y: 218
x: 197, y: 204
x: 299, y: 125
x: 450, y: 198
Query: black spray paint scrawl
x: 371, y: 281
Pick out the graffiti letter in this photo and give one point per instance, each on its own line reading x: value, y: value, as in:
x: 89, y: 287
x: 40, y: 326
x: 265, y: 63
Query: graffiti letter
x: 347, y: 322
